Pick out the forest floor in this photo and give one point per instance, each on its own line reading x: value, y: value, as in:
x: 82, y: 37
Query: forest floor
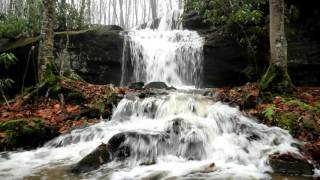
x: 79, y: 104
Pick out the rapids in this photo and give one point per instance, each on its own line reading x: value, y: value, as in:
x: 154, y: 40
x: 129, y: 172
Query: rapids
x: 182, y: 134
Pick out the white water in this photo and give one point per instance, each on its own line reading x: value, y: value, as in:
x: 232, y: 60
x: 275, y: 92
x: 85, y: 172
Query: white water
x: 182, y: 133
x: 174, y: 57
x: 166, y: 53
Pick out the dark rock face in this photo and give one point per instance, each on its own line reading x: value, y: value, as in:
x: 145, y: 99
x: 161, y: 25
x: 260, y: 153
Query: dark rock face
x: 290, y: 164
x: 95, y: 54
x: 136, y: 85
x: 98, y: 55
x: 224, y: 61
x: 304, y: 62
x: 94, y: 160
x: 193, y: 21
x: 156, y: 85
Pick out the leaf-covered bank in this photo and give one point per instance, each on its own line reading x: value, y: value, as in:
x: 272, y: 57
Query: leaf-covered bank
x: 299, y: 113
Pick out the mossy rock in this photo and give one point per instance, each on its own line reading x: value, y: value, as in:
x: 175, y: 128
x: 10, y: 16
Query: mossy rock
x: 25, y: 133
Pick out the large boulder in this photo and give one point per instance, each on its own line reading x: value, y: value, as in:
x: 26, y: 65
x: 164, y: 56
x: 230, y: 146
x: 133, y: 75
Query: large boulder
x: 290, y: 164
x: 98, y: 55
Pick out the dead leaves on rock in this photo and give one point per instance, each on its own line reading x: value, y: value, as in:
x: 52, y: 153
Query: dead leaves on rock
x: 51, y: 111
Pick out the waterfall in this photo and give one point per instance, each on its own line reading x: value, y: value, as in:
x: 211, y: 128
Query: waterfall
x: 163, y: 51
x: 178, y: 135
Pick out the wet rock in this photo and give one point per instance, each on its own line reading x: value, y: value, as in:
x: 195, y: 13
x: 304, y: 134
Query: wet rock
x: 171, y: 88
x: 156, y: 85
x: 136, y: 85
x: 312, y: 150
x: 194, y: 21
x: 208, y: 93
x: 25, y: 133
x: 115, y: 142
x: 290, y: 164
x: 94, y: 160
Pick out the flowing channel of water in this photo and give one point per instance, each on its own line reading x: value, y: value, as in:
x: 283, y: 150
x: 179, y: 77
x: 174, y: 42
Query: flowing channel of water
x: 179, y: 134
x: 165, y: 53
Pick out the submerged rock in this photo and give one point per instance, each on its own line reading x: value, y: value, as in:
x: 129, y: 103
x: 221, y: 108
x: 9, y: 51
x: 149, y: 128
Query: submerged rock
x: 290, y: 164
x: 94, y: 160
x: 156, y: 85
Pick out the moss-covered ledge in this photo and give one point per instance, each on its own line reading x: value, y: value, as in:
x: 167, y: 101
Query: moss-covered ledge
x: 8, y: 45
x: 24, y: 133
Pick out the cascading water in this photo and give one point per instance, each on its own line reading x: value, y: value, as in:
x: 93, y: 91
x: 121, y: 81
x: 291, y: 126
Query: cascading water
x: 166, y: 53
x: 178, y: 135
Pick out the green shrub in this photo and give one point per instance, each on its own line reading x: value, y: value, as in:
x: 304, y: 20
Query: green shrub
x: 11, y: 26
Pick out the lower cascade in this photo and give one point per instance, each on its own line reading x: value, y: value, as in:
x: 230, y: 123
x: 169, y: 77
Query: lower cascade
x: 176, y: 135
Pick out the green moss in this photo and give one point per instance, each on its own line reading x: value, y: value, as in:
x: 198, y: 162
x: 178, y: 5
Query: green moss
x: 301, y: 105
x: 269, y: 112
x: 276, y: 80
x: 19, y: 43
x: 287, y: 120
x: 25, y: 133
x: 10, y: 45
x: 309, y: 126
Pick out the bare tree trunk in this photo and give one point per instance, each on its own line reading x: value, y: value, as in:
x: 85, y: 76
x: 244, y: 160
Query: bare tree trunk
x: 64, y: 14
x: 153, y: 4
x: 32, y: 14
x: 277, y: 78
x: 109, y: 13
x: 89, y: 11
x: 180, y: 4
x: 81, y: 14
x: 12, y: 6
x: 46, y: 38
x: 121, y: 14
x: 100, y: 12
x: 128, y: 13
x: 136, y: 11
